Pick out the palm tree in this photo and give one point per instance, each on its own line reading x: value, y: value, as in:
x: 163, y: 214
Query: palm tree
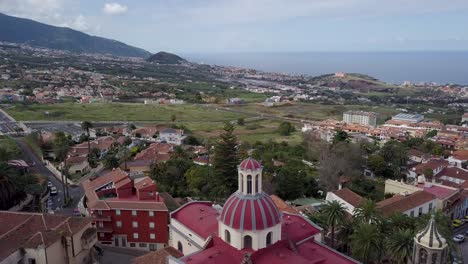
x: 345, y: 232
x: 7, y: 188
x: 367, y: 212
x: 125, y: 156
x: 61, y: 147
x: 366, y: 243
x: 334, y: 213
x: 86, y: 126
x: 399, y: 246
x: 401, y: 221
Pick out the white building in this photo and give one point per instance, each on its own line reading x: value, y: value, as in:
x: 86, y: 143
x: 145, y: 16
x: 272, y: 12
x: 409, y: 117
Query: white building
x: 360, y: 117
x: 410, y: 118
x: 172, y: 136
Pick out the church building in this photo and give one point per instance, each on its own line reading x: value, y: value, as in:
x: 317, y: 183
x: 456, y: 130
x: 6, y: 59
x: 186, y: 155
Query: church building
x: 248, y: 229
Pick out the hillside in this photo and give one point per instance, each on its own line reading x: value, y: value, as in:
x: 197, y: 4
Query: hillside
x: 166, y: 58
x: 26, y: 31
x: 353, y: 81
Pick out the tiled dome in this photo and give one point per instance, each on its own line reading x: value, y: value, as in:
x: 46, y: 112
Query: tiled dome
x: 250, y: 164
x: 255, y: 212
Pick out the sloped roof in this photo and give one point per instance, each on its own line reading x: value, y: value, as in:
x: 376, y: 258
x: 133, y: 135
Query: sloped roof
x: 349, y: 196
x: 401, y: 203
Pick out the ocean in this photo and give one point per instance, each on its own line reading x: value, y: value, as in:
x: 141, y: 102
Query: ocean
x: 442, y: 67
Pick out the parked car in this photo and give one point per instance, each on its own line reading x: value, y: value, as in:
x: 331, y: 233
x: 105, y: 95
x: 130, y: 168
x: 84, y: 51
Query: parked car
x: 459, y: 238
x: 49, y: 184
x: 457, y: 223
x: 76, y: 212
x: 53, y: 190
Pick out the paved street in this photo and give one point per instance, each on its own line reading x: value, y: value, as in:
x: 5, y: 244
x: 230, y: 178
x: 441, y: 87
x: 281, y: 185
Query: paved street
x: 7, y: 125
x: 76, y: 192
x: 464, y: 245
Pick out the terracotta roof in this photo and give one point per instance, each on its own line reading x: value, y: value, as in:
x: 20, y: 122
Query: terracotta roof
x: 29, y: 230
x: 155, y: 152
x: 460, y: 154
x: 282, y: 205
x: 431, y: 164
x: 349, y: 196
x: 158, y: 257
x: 200, y: 217
x: 401, y: 203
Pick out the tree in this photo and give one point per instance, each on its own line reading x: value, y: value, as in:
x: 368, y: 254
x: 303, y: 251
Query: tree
x: 124, y: 156
x: 290, y: 183
x: 127, y: 141
x: 367, y: 243
x: 367, y: 212
x: 86, y: 126
x: 377, y: 164
x: 286, y: 128
x: 395, y: 154
x: 431, y: 134
x: 340, y: 136
x: 334, y: 213
x: 241, y: 121
x: 192, y: 140
x: 399, y: 246
x: 8, y: 191
x: 225, y: 161
x: 61, y: 147
x: 111, y: 161
x: 197, y: 180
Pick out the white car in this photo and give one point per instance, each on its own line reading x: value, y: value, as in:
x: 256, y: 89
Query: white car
x: 50, y: 185
x: 53, y: 190
x: 459, y: 238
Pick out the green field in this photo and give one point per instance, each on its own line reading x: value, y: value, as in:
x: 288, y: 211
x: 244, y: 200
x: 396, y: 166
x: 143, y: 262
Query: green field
x: 120, y: 112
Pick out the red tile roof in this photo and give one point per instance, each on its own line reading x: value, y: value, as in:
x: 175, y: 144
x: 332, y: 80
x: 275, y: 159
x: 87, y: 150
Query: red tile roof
x: 431, y: 164
x: 460, y: 154
x: 200, y: 217
x: 282, y: 205
x: 439, y: 191
x: 401, y: 203
x: 29, y: 230
x: 158, y: 257
x: 349, y: 196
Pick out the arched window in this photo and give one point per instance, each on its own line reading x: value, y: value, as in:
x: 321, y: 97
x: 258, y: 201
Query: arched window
x: 268, y: 239
x: 434, y: 258
x: 227, y: 236
x: 256, y: 183
x: 249, y: 184
x: 242, y: 183
x: 247, y: 242
x: 179, y: 247
x: 422, y: 256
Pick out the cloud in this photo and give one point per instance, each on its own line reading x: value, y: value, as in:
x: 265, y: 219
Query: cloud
x: 114, y: 9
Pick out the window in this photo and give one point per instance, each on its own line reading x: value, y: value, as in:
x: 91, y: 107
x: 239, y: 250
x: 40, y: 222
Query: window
x: 99, y: 212
x: 242, y: 183
x: 101, y: 224
x: 151, y: 213
x: 247, y: 242
x: 420, y: 211
x: 256, y: 183
x: 412, y: 214
x: 434, y: 258
x: 249, y: 184
x: 179, y: 247
x: 118, y: 223
x: 423, y: 256
x: 134, y: 213
x: 142, y: 245
x: 227, y: 236
x: 132, y: 244
x: 153, y: 247
x: 135, y: 235
x: 31, y: 261
x: 268, y: 239
x: 117, y: 212
x: 430, y: 207
x: 151, y: 225
x: 101, y: 234
x: 135, y: 224
x: 152, y: 236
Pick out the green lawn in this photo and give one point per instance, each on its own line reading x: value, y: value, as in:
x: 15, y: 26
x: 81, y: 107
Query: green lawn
x: 11, y: 148
x: 120, y: 112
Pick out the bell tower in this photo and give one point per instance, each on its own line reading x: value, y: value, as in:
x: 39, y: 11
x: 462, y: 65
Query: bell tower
x: 429, y: 245
x: 250, y: 177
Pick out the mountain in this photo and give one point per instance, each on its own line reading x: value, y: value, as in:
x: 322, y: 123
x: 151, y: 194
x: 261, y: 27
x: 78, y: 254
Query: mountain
x: 166, y: 58
x: 26, y: 31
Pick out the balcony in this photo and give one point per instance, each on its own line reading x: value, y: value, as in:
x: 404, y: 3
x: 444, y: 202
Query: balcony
x: 104, y: 229
x: 101, y: 218
x: 89, y: 238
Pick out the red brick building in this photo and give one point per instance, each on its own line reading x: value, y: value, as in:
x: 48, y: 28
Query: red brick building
x: 127, y: 212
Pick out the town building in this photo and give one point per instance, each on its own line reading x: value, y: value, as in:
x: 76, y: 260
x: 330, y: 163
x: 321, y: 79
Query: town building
x: 127, y: 212
x: 349, y: 199
x: 464, y: 118
x: 409, y: 118
x: 172, y: 136
x: 250, y: 228
x: 360, y: 117
x: 44, y: 238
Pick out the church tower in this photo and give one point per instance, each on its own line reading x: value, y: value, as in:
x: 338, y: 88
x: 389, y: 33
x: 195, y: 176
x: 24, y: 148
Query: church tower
x: 429, y: 245
x: 250, y: 219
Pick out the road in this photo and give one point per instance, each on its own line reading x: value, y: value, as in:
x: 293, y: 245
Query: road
x: 464, y: 245
x: 76, y: 192
x: 7, y: 125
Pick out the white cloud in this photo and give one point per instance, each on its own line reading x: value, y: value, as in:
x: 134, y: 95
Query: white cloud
x: 114, y: 9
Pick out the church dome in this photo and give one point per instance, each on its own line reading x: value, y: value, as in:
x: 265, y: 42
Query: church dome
x: 250, y: 164
x: 256, y: 212
x: 429, y: 237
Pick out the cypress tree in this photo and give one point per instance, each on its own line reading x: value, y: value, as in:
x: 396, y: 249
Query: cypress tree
x: 225, y: 161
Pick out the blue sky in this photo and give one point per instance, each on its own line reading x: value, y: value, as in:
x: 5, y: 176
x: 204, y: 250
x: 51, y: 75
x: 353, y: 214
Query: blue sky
x: 191, y: 26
